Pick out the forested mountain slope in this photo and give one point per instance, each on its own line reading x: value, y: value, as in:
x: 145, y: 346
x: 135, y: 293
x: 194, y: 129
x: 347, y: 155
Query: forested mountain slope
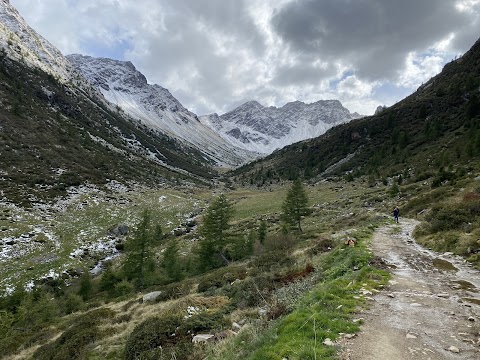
x: 437, y: 126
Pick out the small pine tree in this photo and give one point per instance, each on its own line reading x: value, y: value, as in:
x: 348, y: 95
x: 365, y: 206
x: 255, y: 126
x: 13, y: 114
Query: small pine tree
x: 295, y: 205
x: 171, y: 262
x: 215, y: 232
x: 85, y: 290
x: 139, y: 257
x: 262, y: 231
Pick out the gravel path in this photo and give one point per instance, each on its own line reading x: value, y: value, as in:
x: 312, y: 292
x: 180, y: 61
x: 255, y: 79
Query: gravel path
x: 429, y: 310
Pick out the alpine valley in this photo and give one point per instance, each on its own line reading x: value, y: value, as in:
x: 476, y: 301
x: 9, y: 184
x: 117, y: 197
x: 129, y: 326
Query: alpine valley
x: 132, y: 228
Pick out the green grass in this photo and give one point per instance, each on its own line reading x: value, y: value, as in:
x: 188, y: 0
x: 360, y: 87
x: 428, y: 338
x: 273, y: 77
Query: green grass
x: 324, y: 312
x: 322, y: 306
x: 86, y: 220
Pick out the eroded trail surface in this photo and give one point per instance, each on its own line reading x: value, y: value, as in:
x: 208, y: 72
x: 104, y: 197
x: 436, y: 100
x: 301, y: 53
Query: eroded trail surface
x: 429, y: 310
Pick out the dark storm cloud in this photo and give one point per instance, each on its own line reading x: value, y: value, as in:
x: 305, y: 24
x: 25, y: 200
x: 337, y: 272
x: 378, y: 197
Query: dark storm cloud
x: 372, y: 36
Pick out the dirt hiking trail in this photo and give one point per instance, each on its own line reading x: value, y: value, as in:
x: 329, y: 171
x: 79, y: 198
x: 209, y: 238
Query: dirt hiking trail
x: 429, y: 310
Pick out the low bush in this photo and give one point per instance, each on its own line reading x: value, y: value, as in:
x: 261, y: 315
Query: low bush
x: 453, y: 216
x: 221, y: 277
x: 170, y: 336
x: 74, y: 342
x: 174, y: 290
x: 321, y: 245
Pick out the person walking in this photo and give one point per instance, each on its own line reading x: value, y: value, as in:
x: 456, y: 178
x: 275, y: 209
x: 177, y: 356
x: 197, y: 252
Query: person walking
x: 396, y: 212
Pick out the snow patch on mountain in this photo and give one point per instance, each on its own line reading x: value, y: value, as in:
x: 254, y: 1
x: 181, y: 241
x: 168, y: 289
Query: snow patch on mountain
x: 122, y: 84
x: 19, y: 42
x: 264, y: 129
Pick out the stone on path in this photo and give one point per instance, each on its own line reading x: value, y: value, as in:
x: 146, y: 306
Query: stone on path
x: 443, y: 295
x: 454, y: 349
x: 411, y: 336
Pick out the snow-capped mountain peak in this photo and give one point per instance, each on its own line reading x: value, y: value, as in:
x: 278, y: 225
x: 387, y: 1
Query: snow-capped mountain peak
x: 256, y: 127
x: 122, y: 84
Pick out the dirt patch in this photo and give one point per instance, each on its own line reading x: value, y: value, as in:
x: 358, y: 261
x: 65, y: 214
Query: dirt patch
x: 429, y: 310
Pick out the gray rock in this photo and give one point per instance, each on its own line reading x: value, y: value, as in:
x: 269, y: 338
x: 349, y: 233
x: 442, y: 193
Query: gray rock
x: 416, y: 304
x: 236, y: 326
x: 443, y: 295
x: 179, y: 231
x: 201, y: 338
x: 120, y: 230
x: 454, y: 349
x: 262, y: 311
x: 151, y: 296
x: 328, y: 342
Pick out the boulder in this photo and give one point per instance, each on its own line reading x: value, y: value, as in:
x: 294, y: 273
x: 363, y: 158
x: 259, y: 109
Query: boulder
x: 151, y: 296
x: 179, y: 231
x: 202, y: 338
x: 120, y: 230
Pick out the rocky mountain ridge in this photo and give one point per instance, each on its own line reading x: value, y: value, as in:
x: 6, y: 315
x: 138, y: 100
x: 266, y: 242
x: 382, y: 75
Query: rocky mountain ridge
x: 265, y: 129
x: 59, y: 131
x: 123, y: 85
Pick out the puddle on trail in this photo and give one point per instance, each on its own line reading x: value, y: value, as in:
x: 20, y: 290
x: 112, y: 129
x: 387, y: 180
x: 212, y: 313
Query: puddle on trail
x: 441, y: 264
x: 464, y: 285
x: 472, y: 300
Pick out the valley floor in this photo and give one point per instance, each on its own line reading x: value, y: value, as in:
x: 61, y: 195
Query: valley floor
x: 430, y: 309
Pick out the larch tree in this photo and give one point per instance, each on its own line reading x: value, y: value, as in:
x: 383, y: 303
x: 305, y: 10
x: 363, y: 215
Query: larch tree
x: 139, y: 257
x: 295, y: 205
x: 215, y: 233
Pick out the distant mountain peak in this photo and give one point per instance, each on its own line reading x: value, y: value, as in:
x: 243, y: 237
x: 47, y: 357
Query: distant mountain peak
x: 122, y: 84
x: 264, y: 129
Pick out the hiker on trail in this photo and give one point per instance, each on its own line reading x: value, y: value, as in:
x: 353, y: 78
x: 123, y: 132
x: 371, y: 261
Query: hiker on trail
x: 396, y: 211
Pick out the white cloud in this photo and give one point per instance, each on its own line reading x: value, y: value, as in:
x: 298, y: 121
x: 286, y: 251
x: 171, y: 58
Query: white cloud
x: 215, y: 54
x: 419, y: 69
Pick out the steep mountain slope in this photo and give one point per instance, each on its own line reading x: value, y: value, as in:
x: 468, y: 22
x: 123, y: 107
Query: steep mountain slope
x: 153, y: 105
x: 56, y: 130
x: 435, y: 128
x: 264, y: 129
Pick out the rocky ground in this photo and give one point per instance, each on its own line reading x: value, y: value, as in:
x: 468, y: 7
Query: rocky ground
x: 429, y: 310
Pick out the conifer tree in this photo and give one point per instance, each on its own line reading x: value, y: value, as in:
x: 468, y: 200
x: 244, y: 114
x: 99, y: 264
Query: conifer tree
x: 171, y: 262
x: 86, y: 287
x: 262, y: 231
x: 138, y: 250
x: 216, y: 237
x: 295, y: 205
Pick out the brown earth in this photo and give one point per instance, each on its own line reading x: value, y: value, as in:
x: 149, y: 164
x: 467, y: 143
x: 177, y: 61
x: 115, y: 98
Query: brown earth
x: 429, y: 310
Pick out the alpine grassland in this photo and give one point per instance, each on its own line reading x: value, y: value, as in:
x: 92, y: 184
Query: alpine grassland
x: 288, y: 292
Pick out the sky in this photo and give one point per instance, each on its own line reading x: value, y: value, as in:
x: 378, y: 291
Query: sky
x: 214, y: 55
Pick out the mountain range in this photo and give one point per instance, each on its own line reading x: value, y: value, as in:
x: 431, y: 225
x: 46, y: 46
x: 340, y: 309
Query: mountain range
x: 265, y: 129
x: 123, y: 85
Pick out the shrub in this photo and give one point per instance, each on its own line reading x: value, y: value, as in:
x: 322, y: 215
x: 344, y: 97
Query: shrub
x: 73, y: 343
x: 220, y: 278
x: 321, y: 245
x: 72, y: 303
x: 154, y: 333
x: 169, y: 336
x: 251, y: 291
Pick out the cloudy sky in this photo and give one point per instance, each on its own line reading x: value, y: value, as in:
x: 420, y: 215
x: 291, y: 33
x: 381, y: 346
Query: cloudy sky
x: 214, y: 55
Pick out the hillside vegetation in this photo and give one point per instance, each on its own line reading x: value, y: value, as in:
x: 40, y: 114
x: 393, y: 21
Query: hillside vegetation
x: 53, y: 137
x: 425, y: 148
x: 283, y: 295
x: 437, y: 127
